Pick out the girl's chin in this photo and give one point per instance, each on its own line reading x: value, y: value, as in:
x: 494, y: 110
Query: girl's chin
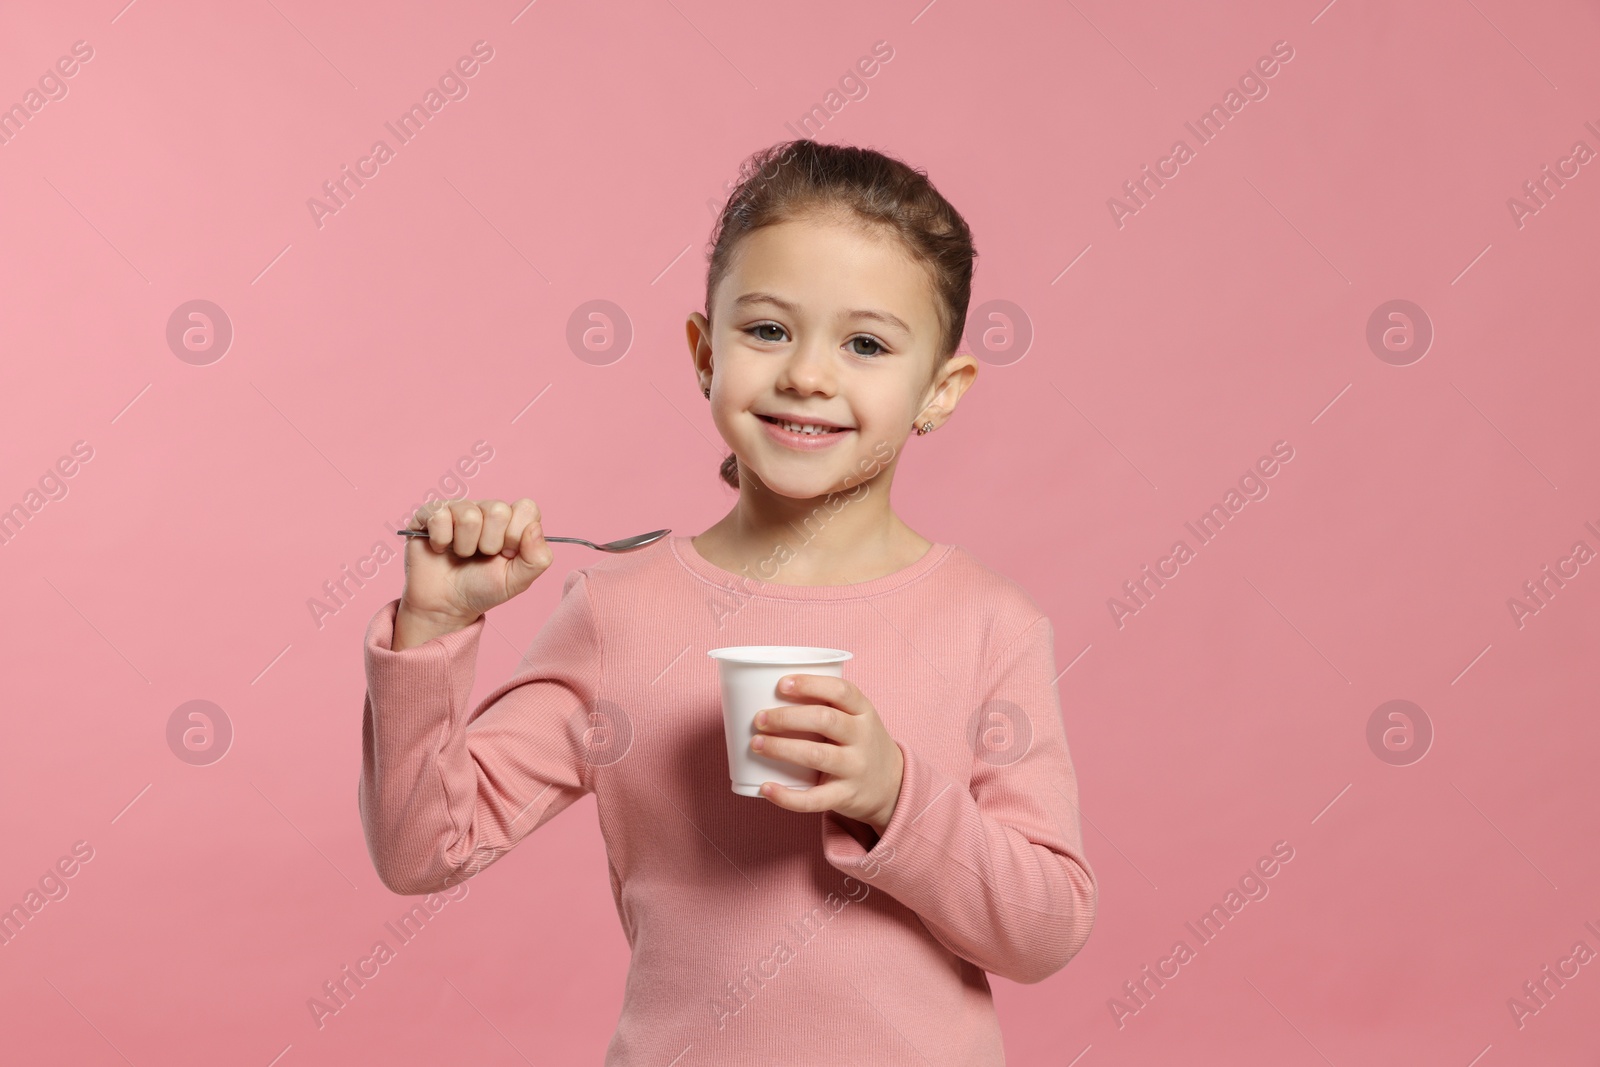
x: 801, y: 486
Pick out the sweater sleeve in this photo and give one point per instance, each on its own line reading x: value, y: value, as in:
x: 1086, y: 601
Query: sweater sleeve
x: 446, y: 790
x: 996, y: 871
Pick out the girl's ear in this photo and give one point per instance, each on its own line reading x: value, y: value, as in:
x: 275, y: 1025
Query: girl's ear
x: 698, y: 332
x: 950, y: 381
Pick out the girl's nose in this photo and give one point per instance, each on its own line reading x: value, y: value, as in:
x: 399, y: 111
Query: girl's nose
x: 808, y: 369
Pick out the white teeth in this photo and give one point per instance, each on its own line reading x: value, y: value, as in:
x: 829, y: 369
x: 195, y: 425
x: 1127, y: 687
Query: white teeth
x: 810, y: 431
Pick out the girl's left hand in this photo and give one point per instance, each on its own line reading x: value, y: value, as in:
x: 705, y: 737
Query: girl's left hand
x: 861, y: 765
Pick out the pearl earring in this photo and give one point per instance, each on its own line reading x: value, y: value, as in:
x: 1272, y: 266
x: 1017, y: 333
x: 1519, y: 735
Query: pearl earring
x: 926, y: 427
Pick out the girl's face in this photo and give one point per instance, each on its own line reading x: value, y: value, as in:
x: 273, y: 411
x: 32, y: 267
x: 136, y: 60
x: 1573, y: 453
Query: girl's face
x: 823, y: 321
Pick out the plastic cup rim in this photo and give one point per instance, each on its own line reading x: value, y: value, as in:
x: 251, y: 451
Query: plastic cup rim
x: 764, y: 655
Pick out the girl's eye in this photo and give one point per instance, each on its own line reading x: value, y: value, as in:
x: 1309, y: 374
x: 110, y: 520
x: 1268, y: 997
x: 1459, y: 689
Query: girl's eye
x: 877, y: 346
x: 765, y: 326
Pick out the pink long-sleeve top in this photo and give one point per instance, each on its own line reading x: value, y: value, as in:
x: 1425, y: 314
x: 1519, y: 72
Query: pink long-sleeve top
x: 759, y: 935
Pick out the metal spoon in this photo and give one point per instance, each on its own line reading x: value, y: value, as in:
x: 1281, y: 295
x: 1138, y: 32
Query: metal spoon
x: 627, y: 544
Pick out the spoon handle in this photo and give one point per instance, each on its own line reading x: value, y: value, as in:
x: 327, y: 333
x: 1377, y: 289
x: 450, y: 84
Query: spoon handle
x: 627, y: 544
x: 568, y: 540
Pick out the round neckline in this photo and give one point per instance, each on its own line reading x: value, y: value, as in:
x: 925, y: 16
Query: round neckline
x: 749, y: 585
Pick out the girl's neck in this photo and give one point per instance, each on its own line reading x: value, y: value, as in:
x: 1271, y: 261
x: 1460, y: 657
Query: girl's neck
x: 816, y: 542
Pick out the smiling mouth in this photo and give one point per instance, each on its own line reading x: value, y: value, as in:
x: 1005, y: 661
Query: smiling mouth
x: 800, y: 428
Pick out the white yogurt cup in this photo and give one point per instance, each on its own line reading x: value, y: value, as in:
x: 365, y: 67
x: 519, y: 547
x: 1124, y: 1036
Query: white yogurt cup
x: 750, y: 676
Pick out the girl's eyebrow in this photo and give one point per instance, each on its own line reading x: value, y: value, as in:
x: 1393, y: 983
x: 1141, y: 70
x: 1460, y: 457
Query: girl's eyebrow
x: 857, y: 313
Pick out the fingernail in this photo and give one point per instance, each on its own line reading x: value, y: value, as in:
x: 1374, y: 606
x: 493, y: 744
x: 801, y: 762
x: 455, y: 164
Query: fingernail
x: 788, y: 684
x: 761, y: 720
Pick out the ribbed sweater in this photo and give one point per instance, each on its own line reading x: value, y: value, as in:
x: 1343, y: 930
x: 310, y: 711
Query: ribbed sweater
x: 759, y: 935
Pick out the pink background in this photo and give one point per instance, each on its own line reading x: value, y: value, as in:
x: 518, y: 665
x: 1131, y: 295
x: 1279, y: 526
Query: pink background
x: 1229, y: 313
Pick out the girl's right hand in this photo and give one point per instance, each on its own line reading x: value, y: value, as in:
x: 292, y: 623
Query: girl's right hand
x: 478, y: 554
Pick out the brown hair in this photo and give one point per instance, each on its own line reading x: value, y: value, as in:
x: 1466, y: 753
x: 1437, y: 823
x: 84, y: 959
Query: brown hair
x: 797, y: 179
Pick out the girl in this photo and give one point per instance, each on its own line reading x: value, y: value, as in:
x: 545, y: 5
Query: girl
x: 850, y: 922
